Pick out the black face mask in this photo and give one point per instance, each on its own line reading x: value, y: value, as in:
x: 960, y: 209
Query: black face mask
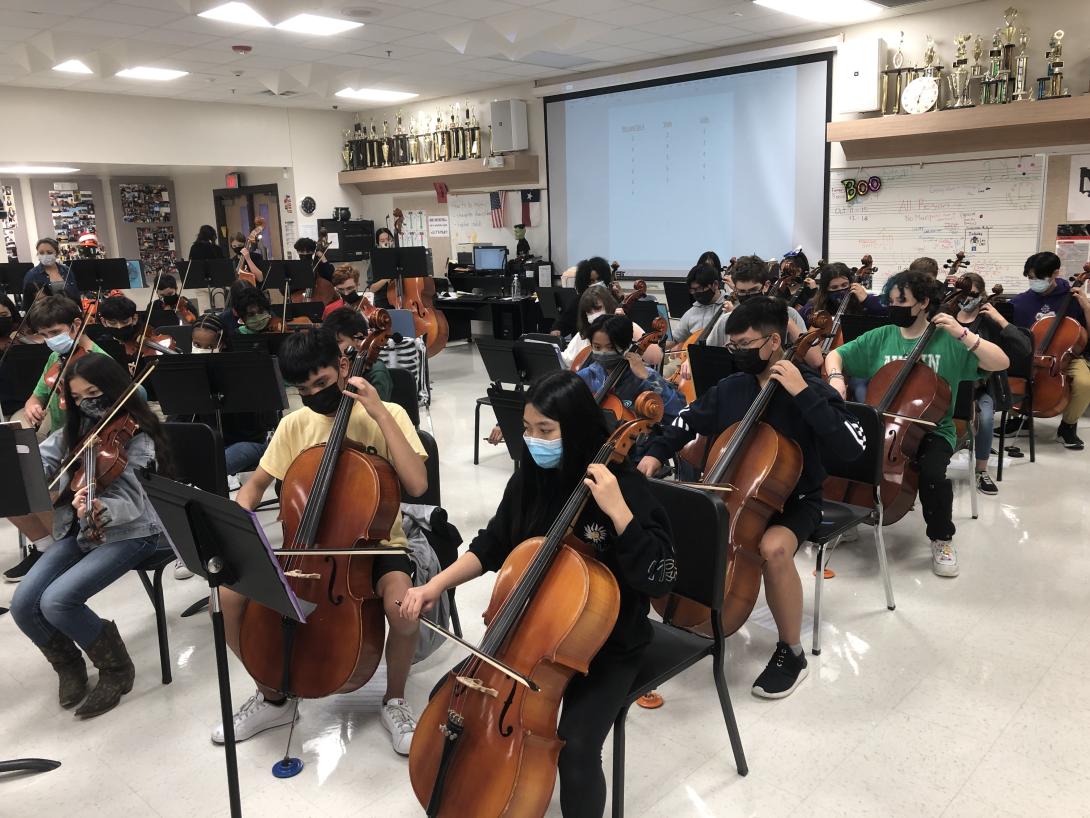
x: 6, y: 324
x: 749, y: 361
x: 351, y: 298
x: 835, y: 297
x: 170, y: 300
x: 324, y: 401
x: 123, y: 333
x: 704, y: 297
x: 901, y: 316
x: 94, y: 408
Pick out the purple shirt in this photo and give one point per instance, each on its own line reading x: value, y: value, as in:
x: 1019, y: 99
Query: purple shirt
x: 1030, y: 306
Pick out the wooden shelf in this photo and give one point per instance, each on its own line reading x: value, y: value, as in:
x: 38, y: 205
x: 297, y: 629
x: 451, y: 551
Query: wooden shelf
x: 518, y: 168
x: 1016, y: 125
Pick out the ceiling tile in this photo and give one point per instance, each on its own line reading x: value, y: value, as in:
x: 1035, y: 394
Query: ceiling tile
x: 425, y: 20
x: 98, y: 28
x: 27, y: 19
x: 15, y: 34
x: 671, y: 26
x: 62, y: 7
x: 685, y: 6
x: 663, y: 45
x: 586, y: 8
x: 162, y: 5
x: 218, y: 56
x: 616, y: 53
x: 632, y: 15
x: 133, y: 15
x: 182, y: 39
x: 473, y: 9
x: 716, y: 35
x: 382, y: 33
x: 733, y: 13
x: 352, y: 61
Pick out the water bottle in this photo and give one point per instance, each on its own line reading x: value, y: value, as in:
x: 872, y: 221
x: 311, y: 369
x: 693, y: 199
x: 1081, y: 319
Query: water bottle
x: 516, y: 286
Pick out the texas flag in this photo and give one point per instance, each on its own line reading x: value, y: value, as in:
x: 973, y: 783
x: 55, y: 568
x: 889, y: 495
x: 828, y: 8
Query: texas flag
x: 531, y: 214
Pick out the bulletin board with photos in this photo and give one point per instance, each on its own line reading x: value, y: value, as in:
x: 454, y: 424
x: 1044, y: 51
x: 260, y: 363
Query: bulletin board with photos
x: 158, y: 249
x: 73, y: 212
x: 145, y: 203
x: 9, y: 218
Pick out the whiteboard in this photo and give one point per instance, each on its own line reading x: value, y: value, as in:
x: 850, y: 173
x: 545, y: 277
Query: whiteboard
x: 990, y: 208
x: 471, y: 222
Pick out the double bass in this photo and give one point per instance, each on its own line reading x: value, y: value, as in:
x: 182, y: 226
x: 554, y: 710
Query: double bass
x: 760, y: 468
x: 1056, y: 340
x: 417, y: 294
x: 912, y: 399
x: 334, y: 496
x: 486, y: 746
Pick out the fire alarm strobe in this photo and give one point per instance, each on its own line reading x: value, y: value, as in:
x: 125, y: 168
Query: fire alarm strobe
x: 244, y: 50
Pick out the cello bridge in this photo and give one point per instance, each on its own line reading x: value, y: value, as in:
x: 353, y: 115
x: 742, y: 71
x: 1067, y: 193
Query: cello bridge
x: 476, y: 684
x: 294, y: 574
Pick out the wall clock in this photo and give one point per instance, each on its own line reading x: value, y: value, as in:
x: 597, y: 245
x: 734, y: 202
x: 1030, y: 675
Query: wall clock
x: 308, y: 206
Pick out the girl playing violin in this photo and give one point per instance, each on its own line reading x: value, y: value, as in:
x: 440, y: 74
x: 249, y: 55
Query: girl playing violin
x: 630, y: 534
x: 610, y: 338
x: 806, y: 411
x: 835, y: 283
x: 92, y: 547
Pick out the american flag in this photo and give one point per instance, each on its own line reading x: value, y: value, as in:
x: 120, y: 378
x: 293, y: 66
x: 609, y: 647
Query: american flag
x: 497, y: 201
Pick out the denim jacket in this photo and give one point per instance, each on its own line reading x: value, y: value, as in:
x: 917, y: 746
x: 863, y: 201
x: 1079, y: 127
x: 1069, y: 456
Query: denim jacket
x: 629, y: 387
x: 129, y: 513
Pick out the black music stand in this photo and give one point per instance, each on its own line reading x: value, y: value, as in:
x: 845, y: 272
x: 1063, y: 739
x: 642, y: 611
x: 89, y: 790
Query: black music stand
x: 855, y: 325
x: 678, y: 297
x: 296, y: 274
x: 498, y: 356
x: 106, y: 273
x: 12, y: 274
x: 223, y: 543
x: 536, y: 359
x: 28, y: 495
x: 23, y: 368
x: 399, y: 262
x: 508, y: 407
x: 709, y: 365
x: 308, y: 309
x: 228, y: 382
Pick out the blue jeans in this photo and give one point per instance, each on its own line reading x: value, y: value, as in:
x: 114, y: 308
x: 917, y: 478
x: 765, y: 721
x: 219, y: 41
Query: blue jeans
x: 857, y: 389
x: 243, y: 456
x: 53, y: 595
x: 985, y: 425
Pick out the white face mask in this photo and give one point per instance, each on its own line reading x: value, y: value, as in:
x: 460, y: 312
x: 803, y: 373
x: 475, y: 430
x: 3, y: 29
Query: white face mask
x: 199, y: 351
x: 1039, y: 285
x: 592, y: 316
x: 47, y: 259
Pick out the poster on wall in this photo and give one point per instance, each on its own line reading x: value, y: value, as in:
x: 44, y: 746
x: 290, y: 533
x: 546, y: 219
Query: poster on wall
x: 158, y: 250
x: 1078, y: 189
x: 10, y: 220
x: 73, y: 213
x: 1073, y: 247
x: 144, y: 203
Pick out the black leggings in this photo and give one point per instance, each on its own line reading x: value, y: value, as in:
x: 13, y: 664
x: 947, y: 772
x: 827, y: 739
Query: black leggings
x: 591, y: 704
x: 936, y: 490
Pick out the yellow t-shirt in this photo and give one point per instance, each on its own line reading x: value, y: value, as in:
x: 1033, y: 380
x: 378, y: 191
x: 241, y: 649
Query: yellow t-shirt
x: 304, y: 428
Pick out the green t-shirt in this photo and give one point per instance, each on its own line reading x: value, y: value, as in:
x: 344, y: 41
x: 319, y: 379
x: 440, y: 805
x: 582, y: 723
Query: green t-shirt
x: 379, y: 377
x: 949, y: 358
x: 41, y: 391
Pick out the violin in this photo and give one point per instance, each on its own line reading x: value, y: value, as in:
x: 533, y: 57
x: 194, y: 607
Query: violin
x: 552, y: 608
x: 865, y: 273
x: 278, y: 324
x: 1056, y: 340
x: 760, y: 468
x: 911, y: 398
x: 334, y: 496
x: 417, y: 294
x: 54, y: 375
x: 605, y: 396
x: 244, y: 273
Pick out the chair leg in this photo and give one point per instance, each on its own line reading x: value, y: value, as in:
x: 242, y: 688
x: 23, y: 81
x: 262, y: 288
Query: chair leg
x: 728, y: 710
x: 618, y: 763
x: 455, y: 622
x: 477, y: 435
x: 819, y: 584
x: 883, y: 563
x: 161, y: 627
x: 1002, y: 445
x: 1032, y: 434
x: 972, y: 484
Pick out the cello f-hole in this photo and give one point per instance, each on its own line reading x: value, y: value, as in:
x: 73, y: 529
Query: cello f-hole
x: 339, y: 598
x: 505, y: 732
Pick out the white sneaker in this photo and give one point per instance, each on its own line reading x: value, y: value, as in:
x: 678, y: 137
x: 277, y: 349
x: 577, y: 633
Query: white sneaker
x: 398, y: 719
x: 255, y: 716
x: 180, y: 571
x: 233, y: 483
x: 944, y: 558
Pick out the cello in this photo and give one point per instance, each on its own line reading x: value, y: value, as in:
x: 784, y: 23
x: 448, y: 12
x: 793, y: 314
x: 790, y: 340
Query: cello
x: 759, y: 468
x: 639, y: 290
x: 684, y: 383
x: 334, y: 496
x: 911, y: 398
x: 1056, y: 340
x: 605, y: 396
x: 486, y: 746
x: 417, y: 294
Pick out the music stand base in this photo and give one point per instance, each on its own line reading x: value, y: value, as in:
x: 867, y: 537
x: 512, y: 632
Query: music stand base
x: 287, y: 768
x: 28, y: 765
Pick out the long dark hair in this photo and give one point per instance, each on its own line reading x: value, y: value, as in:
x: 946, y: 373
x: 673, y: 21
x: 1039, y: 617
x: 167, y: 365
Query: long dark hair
x: 113, y: 379
x: 594, y: 294
x: 828, y: 273
x: 206, y: 233
x: 564, y: 397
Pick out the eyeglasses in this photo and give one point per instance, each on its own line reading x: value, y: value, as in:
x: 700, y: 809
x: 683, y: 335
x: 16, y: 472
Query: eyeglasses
x: 751, y: 344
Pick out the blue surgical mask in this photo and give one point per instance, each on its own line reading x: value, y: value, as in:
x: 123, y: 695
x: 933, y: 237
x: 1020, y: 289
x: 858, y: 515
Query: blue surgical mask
x: 1039, y: 285
x: 60, y: 344
x: 546, y: 453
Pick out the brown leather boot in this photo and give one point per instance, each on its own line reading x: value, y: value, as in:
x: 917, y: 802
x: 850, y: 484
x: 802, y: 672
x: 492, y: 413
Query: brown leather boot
x: 67, y: 660
x: 115, y: 673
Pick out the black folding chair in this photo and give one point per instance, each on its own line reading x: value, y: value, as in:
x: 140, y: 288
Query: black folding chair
x: 404, y: 393
x: 837, y: 518
x: 700, y: 525
x: 965, y: 422
x: 1020, y: 379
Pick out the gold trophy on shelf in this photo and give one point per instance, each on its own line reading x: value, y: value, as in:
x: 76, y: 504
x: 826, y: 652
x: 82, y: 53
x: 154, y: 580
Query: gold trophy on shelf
x: 1021, y: 78
x: 895, y: 77
x: 1051, y: 86
x: 960, y: 75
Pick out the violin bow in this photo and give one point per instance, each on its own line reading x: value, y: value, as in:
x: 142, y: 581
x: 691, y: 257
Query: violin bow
x: 102, y: 424
x: 147, y: 318
x: 19, y: 329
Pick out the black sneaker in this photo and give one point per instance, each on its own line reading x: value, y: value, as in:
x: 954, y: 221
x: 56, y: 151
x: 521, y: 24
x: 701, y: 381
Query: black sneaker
x: 783, y: 674
x: 17, y: 572
x: 984, y: 483
x: 1066, y: 435
x: 1014, y: 426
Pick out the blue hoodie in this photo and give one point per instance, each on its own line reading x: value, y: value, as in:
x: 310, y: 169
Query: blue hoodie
x: 1030, y: 306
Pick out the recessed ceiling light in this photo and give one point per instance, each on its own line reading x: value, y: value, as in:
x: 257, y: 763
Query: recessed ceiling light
x: 143, y: 72
x: 375, y: 94
x: 825, y: 11
x: 29, y: 169
x: 317, y: 25
x: 73, y: 67
x: 238, y: 13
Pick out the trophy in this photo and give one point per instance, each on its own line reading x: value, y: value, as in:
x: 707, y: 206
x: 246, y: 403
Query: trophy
x: 897, y: 74
x: 1009, y: 32
x: 994, y: 81
x: 1052, y: 85
x: 475, y: 137
x: 960, y: 75
x: 346, y: 151
x: 1020, y: 78
x: 384, y: 146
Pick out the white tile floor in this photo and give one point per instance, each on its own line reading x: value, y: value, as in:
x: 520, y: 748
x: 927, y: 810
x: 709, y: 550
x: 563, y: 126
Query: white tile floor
x: 968, y: 700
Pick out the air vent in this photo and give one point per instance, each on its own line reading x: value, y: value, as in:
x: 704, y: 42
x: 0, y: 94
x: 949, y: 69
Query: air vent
x: 267, y: 93
x: 550, y: 59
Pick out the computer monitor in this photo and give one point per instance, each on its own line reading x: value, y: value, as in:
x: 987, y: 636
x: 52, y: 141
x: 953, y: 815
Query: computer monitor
x: 490, y: 259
